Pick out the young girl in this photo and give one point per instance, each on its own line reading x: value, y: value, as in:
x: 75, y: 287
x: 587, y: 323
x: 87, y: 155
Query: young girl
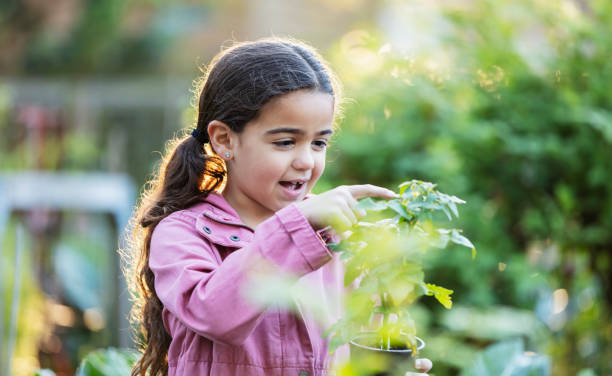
x: 230, y: 199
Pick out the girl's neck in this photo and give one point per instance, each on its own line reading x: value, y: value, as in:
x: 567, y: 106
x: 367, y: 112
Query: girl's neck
x: 250, y: 213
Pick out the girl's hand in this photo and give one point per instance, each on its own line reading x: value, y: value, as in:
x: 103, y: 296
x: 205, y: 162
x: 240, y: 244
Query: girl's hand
x: 423, y: 365
x: 336, y: 207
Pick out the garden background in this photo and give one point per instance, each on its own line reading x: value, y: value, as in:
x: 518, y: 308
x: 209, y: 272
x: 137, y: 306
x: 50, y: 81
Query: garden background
x: 506, y: 104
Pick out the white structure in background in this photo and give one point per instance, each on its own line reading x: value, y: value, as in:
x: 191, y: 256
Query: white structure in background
x: 113, y: 194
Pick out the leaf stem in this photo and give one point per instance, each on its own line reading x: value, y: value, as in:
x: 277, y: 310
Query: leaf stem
x: 385, y: 331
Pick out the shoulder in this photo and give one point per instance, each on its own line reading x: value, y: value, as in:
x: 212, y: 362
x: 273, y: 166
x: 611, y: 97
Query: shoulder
x: 209, y: 220
x: 178, y: 238
x: 179, y: 222
x: 188, y: 216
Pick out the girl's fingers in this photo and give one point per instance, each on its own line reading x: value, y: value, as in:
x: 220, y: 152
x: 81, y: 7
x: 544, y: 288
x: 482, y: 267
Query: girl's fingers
x: 346, y: 195
x: 348, y: 213
x: 342, y: 222
x: 369, y: 190
x: 338, y: 206
x: 360, y: 212
x: 352, y: 203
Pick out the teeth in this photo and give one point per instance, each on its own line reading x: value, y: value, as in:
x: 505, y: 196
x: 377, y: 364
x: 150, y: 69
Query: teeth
x: 293, y: 186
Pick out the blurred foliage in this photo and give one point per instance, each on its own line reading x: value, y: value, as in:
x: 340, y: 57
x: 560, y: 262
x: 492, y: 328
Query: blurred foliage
x: 94, y: 37
x: 31, y: 318
x: 508, y: 358
x: 108, y: 362
x: 66, y: 308
x: 511, y: 110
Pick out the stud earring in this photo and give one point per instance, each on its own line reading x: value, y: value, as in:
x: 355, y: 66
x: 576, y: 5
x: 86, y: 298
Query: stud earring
x: 227, y: 154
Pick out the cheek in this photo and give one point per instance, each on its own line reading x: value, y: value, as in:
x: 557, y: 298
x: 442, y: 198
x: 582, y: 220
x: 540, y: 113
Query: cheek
x: 319, y: 167
x: 267, y: 166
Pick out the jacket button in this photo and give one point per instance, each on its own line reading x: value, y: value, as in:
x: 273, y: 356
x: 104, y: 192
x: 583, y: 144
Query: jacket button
x: 304, y: 373
x: 235, y: 238
x: 207, y: 229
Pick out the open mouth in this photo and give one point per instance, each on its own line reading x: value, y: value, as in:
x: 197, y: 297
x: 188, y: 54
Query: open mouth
x: 293, y: 185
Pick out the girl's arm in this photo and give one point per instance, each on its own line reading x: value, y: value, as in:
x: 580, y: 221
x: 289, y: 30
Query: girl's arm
x: 207, y: 295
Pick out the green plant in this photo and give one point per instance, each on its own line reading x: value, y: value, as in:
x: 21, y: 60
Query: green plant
x: 108, y: 362
x: 383, y: 257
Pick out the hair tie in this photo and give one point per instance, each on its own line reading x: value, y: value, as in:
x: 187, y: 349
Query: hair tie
x: 203, y: 138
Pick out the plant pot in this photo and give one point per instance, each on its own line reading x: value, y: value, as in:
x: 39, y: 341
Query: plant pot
x: 378, y: 361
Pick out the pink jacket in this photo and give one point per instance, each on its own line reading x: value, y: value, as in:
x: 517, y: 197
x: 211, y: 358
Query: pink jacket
x: 201, y: 258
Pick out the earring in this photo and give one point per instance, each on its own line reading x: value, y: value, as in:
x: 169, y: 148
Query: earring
x: 227, y: 154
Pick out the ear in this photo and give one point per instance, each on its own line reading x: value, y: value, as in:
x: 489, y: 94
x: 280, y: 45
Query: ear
x: 221, y: 137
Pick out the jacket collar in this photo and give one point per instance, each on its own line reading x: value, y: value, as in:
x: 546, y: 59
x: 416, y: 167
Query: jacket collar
x: 215, y: 207
x: 218, y: 222
x: 220, y: 207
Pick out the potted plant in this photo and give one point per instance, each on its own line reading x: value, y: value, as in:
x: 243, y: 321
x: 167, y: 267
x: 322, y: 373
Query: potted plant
x: 383, y: 256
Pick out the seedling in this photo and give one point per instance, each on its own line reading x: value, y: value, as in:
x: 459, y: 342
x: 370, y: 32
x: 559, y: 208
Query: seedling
x: 383, y: 262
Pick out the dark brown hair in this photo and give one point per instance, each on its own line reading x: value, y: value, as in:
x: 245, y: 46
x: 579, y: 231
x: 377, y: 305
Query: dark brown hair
x: 239, y: 81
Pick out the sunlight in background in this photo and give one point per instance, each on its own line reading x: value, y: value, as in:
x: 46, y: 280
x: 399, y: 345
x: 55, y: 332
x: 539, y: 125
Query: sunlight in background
x: 362, y: 60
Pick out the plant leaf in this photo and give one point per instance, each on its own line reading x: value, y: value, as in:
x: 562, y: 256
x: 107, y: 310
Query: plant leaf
x: 445, y: 210
x: 441, y: 294
x: 508, y: 358
x: 397, y: 207
x: 352, y: 271
x: 457, y: 238
x: 399, y: 290
x: 453, y: 208
x: 369, y: 204
x: 108, y: 362
x: 405, y: 186
x: 335, y: 247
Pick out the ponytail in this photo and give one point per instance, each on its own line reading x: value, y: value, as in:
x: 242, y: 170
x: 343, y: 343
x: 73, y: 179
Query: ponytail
x: 186, y: 175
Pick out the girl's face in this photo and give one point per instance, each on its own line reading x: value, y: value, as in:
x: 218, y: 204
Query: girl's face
x: 279, y: 156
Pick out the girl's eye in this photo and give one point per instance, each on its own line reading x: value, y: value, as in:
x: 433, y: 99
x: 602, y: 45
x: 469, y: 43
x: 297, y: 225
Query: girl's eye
x: 283, y: 143
x: 320, y: 144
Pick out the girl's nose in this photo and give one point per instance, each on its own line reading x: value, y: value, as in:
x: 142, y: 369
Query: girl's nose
x: 304, y: 160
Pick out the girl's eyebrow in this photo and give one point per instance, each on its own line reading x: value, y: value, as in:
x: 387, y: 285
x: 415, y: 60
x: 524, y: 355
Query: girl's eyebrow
x: 296, y: 131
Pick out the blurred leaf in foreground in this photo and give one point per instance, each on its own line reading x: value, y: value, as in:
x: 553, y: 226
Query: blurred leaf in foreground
x: 509, y: 359
x: 108, y: 362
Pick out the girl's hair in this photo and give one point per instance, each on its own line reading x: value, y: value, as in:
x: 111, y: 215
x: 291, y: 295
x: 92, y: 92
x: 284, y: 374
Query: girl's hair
x: 237, y: 83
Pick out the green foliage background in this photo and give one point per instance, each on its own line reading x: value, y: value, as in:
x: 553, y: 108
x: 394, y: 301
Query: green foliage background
x: 526, y: 140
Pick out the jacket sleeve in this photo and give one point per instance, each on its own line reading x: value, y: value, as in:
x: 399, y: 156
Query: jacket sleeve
x: 206, y: 294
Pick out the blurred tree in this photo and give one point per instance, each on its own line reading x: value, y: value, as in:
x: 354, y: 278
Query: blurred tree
x: 92, y: 37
